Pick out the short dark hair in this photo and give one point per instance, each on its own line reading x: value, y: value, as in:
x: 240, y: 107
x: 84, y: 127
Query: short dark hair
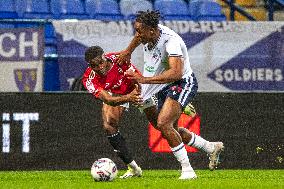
x: 93, y: 52
x: 148, y: 18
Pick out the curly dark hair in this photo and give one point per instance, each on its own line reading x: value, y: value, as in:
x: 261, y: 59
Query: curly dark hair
x: 148, y: 18
x: 93, y: 52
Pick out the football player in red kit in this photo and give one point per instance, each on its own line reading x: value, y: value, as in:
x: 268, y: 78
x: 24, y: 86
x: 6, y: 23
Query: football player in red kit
x: 107, y: 81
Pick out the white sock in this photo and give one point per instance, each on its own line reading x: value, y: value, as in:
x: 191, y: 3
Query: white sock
x: 181, y: 155
x: 200, y: 143
x: 133, y: 165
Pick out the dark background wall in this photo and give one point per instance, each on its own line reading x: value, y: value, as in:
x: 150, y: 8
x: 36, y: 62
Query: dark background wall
x: 68, y: 134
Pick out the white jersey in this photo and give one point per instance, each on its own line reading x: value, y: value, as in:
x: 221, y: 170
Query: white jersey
x: 156, y: 60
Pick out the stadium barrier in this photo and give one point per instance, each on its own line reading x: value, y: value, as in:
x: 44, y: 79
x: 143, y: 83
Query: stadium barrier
x: 225, y: 56
x: 55, y: 131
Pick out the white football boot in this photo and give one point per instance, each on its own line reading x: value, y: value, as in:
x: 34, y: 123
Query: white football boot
x: 214, y: 156
x: 132, y: 173
x: 187, y: 175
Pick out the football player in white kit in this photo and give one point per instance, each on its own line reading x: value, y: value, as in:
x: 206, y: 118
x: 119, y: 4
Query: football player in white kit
x: 168, y: 75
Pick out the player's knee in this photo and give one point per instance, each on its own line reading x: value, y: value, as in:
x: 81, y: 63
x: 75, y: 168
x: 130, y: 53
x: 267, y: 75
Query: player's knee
x: 160, y: 126
x: 165, y: 129
x: 110, y: 126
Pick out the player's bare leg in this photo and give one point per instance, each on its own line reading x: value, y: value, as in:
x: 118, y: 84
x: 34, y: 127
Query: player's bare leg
x: 168, y: 116
x: 111, y: 117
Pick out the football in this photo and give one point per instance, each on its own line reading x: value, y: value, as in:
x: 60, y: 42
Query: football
x: 104, y: 169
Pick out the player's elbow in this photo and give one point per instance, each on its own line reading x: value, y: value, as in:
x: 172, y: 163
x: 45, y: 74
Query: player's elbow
x: 174, y: 77
x: 177, y: 75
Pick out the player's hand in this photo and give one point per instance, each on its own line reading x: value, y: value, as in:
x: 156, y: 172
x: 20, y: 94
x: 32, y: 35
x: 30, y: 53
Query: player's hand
x: 135, y: 97
x: 138, y: 87
x: 135, y: 76
x: 123, y: 57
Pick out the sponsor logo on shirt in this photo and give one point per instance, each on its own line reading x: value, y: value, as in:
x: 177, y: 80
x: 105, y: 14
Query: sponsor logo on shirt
x: 90, y: 86
x: 150, y: 69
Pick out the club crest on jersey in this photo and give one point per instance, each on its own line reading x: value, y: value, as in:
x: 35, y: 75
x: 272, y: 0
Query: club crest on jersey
x: 113, y: 56
x: 156, y: 56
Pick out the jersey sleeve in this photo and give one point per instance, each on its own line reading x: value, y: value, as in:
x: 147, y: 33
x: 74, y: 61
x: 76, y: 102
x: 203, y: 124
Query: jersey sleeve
x: 90, y: 85
x: 173, y: 47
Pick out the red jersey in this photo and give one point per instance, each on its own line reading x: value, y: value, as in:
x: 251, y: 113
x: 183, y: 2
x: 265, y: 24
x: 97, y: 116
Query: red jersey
x: 114, y: 81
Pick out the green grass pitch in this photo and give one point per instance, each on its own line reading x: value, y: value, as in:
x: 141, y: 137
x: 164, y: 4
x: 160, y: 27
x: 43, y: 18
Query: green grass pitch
x: 151, y: 179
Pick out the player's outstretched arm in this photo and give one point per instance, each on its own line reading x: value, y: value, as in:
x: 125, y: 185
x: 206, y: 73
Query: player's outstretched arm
x: 133, y: 97
x: 174, y: 73
x: 125, y: 55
